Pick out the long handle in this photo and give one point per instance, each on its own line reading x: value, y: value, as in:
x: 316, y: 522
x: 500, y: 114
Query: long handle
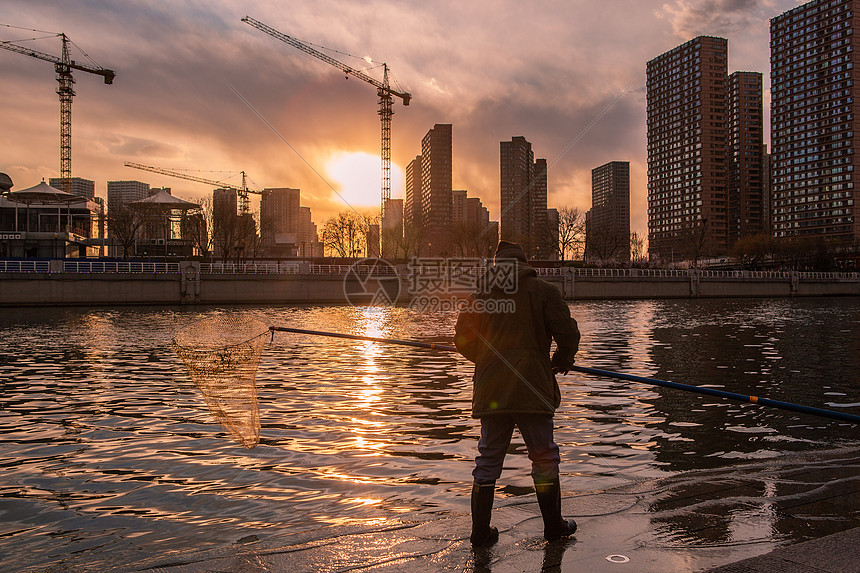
x: 841, y: 416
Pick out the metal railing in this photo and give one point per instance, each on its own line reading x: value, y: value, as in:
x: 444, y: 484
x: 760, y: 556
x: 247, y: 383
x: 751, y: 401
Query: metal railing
x: 294, y: 268
x: 249, y: 268
x: 136, y: 267
x: 25, y: 266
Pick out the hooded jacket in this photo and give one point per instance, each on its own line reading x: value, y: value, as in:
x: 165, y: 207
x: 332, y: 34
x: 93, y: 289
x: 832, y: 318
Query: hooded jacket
x: 508, y: 336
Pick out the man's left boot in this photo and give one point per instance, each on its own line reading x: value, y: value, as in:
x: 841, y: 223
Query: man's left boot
x: 482, y: 509
x: 549, y: 500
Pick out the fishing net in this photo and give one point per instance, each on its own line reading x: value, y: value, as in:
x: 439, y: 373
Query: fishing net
x: 222, y: 353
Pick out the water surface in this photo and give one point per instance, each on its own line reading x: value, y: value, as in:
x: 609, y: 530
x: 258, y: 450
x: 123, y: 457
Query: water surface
x: 109, y: 451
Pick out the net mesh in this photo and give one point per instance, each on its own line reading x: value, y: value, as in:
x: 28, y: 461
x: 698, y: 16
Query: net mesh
x: 222, y: 353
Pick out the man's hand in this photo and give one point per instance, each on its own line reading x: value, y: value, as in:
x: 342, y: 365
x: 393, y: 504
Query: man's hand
x: 561, y: 364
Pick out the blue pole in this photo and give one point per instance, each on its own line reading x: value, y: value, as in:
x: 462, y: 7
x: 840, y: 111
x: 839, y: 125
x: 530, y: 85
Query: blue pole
x: 841, y: 416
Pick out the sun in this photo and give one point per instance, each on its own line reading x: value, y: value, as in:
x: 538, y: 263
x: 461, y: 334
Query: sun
x: 357, y: 177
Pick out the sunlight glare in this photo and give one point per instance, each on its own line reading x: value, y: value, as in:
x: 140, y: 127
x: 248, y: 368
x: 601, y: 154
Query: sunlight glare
x: 357, y: 177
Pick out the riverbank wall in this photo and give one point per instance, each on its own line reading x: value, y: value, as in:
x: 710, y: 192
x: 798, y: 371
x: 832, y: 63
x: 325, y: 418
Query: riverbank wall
x: 68, y: 283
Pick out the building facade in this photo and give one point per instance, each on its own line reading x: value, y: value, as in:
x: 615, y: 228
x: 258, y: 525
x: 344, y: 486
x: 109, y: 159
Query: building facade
x: 745, y: 162
x: 814, y: 121
x: 687, y: 167
x: 412, y: 201
x: 608, y: 227
x: 77, y: 186
x: 436, y: 187
x: 123, y: 192
x: 523, y: 196
x: 281, y: 220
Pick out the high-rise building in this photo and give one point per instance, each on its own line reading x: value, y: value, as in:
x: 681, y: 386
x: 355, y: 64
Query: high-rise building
x: 766, y: 191
x: 122, y: 192
x: 608, y: 227
x: 552, y: 220
x: 280, y: 217
x: 308, y: 240
x: 745, y: 160
x: 516, y: 165
x: 458, y: 207
x: 225, y: 201
x: 687, y: 176
x: 814, y: 112
x: 436, y: 186
x: 412, y: 204
x: 77, y: 186
x: 476, y: 215
x: 523, y: 193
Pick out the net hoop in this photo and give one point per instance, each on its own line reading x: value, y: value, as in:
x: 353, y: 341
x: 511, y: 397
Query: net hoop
x: 222, y: 353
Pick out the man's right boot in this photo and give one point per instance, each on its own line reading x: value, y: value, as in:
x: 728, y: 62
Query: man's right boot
x: 549, y: 500
x: 482, y: 508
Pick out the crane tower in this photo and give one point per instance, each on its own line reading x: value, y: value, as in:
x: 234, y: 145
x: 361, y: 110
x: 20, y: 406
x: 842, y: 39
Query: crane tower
x: 383, y: 90
x: 63, y: 66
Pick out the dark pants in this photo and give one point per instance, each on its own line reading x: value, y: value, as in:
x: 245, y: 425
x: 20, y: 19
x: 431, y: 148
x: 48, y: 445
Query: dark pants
x: 496, y: 432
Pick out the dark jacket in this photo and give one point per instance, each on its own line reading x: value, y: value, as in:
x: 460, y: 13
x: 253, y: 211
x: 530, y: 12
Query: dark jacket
x: 511, y: 347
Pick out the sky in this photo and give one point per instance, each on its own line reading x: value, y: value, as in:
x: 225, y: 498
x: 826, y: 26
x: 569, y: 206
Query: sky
x: 197, y: 90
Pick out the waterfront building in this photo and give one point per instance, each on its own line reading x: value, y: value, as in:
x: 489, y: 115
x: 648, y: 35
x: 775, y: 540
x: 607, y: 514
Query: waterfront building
x: 412, y: 203
x: 77, y: 186
x: 436, y: 187
x: 687, y: 179
x: 552, y: 220
x: 280, y: 213
x: 309, y: 244
x: 121, y: 193
x: 745, y: 131
x: 814, y: 110
x: 608, y: 222
x: 523, y: 195
x: 458, y: 207
x: 225, y: 201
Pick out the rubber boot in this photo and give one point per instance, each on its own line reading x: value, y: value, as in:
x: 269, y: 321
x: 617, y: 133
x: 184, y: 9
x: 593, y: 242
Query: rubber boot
x: 482, y: 508
x: 549, y: 500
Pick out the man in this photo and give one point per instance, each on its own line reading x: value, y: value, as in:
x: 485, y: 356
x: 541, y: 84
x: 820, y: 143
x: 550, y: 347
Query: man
x: 506, y: 329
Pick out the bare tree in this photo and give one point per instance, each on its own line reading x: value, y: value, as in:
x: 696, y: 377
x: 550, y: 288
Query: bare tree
x: 232, y: 234
x: 571, y: 232
x: 605, y: 245
x: 637, y: 247
x: 125, y: 221
x: 405, y: 245
x: 695, y: 239
x: 345, y: 234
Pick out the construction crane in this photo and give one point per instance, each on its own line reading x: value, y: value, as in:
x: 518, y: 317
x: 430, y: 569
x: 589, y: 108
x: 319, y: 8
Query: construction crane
x: 241, y: 192
x: 383, y: 90
x: 63, y: 65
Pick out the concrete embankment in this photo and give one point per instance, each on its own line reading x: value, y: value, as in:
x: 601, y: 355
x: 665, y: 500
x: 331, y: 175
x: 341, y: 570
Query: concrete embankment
x: 61, y: 284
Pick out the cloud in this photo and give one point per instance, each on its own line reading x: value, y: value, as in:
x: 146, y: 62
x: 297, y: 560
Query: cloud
x: 691, y: 18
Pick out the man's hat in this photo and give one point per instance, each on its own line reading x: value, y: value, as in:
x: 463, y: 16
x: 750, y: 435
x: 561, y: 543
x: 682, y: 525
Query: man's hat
x: 507, y: 250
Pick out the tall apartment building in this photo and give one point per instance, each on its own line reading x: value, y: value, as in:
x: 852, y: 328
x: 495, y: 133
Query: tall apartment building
x: 747, y: 213
x: 123, y: 192
x: 476, y: 215
x: 308, y: 240
x: 280, y: 217
x: 458, y: 206
x: 225, y: 201
x: 77, y: 186
x: 412, y: 202
x: 687, y: 176
x: 436, y: 186
x: 608, y: 228
x: 523, y: 192
x: 814, y: 113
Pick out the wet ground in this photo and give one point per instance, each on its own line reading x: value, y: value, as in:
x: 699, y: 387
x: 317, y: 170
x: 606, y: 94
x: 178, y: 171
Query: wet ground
x: 793, y: 513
